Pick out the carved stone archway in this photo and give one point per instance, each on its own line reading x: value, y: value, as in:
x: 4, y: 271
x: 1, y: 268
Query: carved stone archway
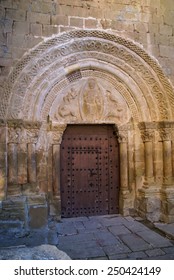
x: 54, y: 85
x: 58, y: 61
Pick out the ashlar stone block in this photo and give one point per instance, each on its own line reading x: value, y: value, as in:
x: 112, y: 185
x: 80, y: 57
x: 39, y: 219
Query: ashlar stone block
x: 20, y: 27
x: 90, y: 23
x: 36, y: 29
x: 38, y: 216
x: 6, y: 3
x: 41, y: 7
x: 2, y: 12
x: 59, y: 20
x: 16, y: 14
x: 76, y: 22
x: 38, y: 18
x: 49, y: 30
x: 165, y: 29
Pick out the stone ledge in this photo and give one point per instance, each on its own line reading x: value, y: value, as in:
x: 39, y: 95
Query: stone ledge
x: 43, y: 252
x: 167, y: 229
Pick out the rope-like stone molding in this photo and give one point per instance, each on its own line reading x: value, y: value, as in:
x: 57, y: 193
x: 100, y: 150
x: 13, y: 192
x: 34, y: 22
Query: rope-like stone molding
x: 108, y: 42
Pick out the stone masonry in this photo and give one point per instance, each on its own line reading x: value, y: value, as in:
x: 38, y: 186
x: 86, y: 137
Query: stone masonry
x: 50, y: 51
x: 23, y: 24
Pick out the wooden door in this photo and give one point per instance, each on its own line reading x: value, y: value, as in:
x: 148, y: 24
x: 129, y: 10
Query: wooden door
x: 89, y: 171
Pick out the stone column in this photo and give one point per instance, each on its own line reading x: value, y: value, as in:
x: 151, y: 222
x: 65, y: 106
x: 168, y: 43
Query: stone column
x: 14, y: 138
x: 31, y: 163
x: 3, y: 160
x: 22, y: 163
x: 56, y: 132
x: 30, y: 136
x: 147, y: 137
x: 12, y: 164
x: 50, y: 170
x: 124, y: 190
x: 167, y: 192
x: 56, y: 169
x: 149, y: 203
x: 167, y: 155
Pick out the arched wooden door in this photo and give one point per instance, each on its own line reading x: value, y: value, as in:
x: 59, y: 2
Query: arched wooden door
x: 89, y: 171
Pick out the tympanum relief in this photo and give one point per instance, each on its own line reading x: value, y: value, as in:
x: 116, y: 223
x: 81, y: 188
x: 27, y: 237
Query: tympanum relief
x: 90, y: 100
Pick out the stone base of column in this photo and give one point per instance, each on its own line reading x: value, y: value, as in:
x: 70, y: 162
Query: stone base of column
x: 2, y: 187
x: 149, y: 203
x: 167, y: 201
x: 125, y: 203
x: 31, y: 212
x: 55, y: 206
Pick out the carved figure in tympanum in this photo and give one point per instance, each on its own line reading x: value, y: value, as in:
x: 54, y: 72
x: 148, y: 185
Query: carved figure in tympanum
x: 68, y: 108
x: 115, y: 108
x: 92, y: 100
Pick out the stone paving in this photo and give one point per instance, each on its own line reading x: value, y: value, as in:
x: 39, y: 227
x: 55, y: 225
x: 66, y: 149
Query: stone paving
x: 111, y: 237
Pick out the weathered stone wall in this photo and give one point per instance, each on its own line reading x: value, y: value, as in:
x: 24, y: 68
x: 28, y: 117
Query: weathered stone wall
x: 23, y: 24
x: 3, y: 159
x: 30, y: 153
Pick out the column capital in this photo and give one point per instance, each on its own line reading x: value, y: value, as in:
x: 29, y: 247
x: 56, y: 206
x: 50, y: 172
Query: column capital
x: 165, y: 134
x: 20, y: 135
x: 147, y: 135
x: 122, y: 136
x: 2, y: 123
x: 56, y: 131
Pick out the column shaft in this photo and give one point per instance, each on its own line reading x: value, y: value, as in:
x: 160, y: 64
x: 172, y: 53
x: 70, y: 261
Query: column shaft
x: 31, y: 163
x: 12, y: 164
x: 167, y: 158
x: 123, y: 165
x: 148, y: 160
x: 56, y: 169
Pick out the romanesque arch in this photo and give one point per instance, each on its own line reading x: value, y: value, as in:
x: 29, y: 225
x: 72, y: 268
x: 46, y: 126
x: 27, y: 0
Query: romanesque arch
x: 59, y: 61
x: 48, y: 89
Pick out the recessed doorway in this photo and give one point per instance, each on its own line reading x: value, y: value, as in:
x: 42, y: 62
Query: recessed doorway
x: 89, y: 161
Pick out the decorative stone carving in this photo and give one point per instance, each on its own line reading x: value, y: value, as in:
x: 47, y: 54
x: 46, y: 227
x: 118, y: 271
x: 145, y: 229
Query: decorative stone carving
x: 147, y: 135
x: 56, y: 133
x: 14, y: 135
x: 115, y: 109
x: 90, y: 100
x: 69, y: 106
x: 147, y: 130
x: 22, y: 132
x: 122, y: 136
x: 165, y: 134
x: 97, y: 44
x: 2, y: 123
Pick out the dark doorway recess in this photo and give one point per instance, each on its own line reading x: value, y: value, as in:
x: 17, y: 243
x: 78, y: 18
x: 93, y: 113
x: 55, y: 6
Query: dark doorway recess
x: 89, y: 161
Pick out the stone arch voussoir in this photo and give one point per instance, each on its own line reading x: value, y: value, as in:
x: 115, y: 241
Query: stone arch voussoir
x: 70, y: 57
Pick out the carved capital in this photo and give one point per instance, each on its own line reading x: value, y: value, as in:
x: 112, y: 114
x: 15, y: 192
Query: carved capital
x: 55, y: 132
x: 2, y: 123
x: 22, y: 135
x: 15, y: 123
x: 20, y: 131
x: 147, y: 135
x: 122, y: 136
x: 165, y: 134
x: 56, y: 137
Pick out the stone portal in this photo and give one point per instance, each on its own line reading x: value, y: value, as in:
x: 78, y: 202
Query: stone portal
x: 95, y: 79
